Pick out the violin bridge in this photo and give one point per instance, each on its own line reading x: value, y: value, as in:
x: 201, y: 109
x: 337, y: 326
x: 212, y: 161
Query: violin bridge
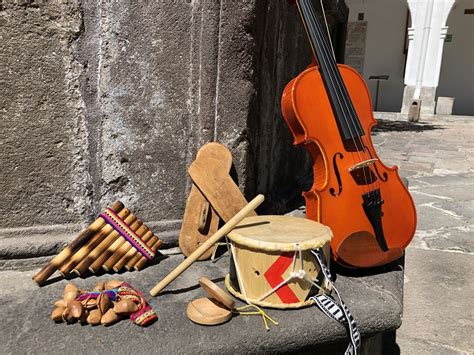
x: 362, y: 164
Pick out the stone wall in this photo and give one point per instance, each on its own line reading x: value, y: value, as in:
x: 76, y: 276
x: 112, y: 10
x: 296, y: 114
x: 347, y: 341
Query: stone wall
x: 355, y: 45
x: 105, y: 100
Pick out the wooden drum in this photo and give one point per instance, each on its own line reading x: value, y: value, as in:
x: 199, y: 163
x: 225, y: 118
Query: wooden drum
x: 272, y: 262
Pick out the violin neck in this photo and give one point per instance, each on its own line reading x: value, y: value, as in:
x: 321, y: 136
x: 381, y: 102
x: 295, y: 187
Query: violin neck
x: 343, y: 109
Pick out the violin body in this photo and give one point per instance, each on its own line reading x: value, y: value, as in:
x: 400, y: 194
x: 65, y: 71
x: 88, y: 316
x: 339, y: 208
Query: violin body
x: 346, y: 173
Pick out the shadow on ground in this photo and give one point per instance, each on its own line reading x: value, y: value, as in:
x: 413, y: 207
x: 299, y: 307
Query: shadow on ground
x: 402, y: 126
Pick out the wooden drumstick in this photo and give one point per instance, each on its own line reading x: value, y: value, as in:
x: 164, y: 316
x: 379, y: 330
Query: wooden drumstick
x: 97, y: 264
x: 74, y: 245
x: 90, y: 245
x: 226, y: 228
x: 81, y: 268
x: 138, y: 256
x: 130, y: 253
x: 138, y: 266
x: 117, y: 250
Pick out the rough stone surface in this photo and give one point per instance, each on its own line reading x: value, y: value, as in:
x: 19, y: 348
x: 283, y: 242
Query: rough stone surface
x: 355, y: 45
x: 44, y: 177
x: 375, y: 301
x: 436, y: 157
x: 111, y: 100
x: 444, y: 105
x: 427, y: 97
x: 442, y: 298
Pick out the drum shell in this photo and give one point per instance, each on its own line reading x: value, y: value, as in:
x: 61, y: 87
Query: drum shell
x: 261, y: 270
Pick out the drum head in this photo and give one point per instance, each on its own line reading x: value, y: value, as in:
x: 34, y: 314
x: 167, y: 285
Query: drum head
x: 280, y: 233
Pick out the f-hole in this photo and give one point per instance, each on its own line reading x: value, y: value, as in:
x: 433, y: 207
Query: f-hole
x: 332, y: 191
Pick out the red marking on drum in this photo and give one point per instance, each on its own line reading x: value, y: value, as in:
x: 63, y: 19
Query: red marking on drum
x: 274, y: 278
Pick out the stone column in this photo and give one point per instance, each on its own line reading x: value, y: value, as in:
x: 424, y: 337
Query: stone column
x: 426, y: 39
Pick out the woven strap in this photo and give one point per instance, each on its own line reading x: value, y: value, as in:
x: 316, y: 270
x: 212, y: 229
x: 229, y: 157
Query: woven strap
x: 125, y: 231
x: 338, y: 312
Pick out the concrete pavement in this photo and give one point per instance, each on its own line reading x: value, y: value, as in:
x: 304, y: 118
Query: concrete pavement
x: 437, y: 157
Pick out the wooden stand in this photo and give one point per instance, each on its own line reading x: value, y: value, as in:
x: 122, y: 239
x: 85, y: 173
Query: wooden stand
x: 200, y: 221
x: 214, y: 196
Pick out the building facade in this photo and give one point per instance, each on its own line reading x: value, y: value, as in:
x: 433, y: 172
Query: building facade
x: 424, y: 46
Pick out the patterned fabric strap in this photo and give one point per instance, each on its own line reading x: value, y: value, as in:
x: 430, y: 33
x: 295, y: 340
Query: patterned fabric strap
x: 338, y: 312
x: 125, y: 231
x: 145, y: 315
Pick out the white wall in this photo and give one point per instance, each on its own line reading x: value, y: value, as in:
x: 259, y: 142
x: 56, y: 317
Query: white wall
x: 384, y: 47
x: 457, y: 66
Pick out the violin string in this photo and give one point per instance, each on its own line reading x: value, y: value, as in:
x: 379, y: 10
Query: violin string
x: 327, y: 28
x: 346, y: 99
x: 324, y: 63
x: 346, y: 95
x: 351, y: 106
x: 331, y: 65
x: 326, y: 41
x: 334, y: 71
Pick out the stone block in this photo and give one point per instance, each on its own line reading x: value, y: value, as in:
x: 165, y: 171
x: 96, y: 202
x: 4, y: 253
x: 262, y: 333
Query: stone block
x: 145, y: 109
x: 375, y: 301
x: 414, y: 110
x: 111, y: 100
x: 437, y: 285
x: 444, y: 105
x: 44, y: 175
x: 355, y: 45
x: 427, y: 97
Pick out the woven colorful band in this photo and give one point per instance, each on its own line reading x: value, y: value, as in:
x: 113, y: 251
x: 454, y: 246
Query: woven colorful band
x: 125, y: 231
x: 144, y: 316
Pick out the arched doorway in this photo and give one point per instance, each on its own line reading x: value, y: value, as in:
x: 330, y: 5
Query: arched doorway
x: 457, y: 66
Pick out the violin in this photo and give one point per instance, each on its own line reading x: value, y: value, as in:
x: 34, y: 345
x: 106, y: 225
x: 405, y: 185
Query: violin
x: 328, y: 110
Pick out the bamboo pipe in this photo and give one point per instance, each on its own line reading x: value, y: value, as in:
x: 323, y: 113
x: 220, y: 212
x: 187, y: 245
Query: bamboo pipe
x: 226, y: 228
x: 138, y: 266
x: 73, y: 245
x: 97, y: 264
x: 90, y: 245
x: 143, y: 259
x: 81, y: 268
x: 119, y: 252
x: 130, y: 253
x: 138, y: 256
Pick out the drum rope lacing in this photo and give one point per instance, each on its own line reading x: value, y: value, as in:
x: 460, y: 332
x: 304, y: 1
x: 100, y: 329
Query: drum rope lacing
x: 294, y: 274
x: 215, y: 258
x: 258, y: 311
x: 325, y: 303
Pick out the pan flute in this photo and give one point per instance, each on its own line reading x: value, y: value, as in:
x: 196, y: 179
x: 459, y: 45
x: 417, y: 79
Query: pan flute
x: 117, y: 239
